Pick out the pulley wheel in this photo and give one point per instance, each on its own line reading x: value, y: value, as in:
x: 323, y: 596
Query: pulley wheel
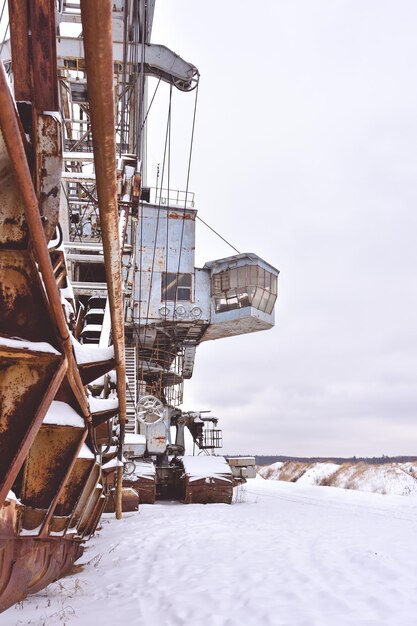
x: 149, y: 410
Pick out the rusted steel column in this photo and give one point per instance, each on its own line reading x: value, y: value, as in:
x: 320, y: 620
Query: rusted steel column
x: 19, y: 29
x: 96, y: 16
x: 9, y: 124
x: 43, y: 43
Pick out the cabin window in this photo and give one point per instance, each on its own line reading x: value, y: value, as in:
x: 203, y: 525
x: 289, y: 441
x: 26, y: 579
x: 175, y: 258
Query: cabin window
x: 176, y: 287
x: 249, y: 285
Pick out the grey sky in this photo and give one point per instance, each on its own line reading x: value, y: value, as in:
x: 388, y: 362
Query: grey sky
x: 306, y: 153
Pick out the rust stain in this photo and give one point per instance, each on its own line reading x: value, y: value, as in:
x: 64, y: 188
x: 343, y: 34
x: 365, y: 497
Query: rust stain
x: 47, y: 463
x: 32, y: 565
x: 180, y: 216
x: 23, y: 383
x: 74, y: 487
x: 22, y: 308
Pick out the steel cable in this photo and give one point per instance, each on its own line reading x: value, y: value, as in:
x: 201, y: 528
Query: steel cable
x: 167, y: 134
x: 186, y: 196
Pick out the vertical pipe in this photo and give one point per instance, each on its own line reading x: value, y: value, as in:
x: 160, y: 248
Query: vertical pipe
x: 96, y: 16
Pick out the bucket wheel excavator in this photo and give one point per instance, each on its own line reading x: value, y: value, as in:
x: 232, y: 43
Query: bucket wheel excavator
x: 101, y: 305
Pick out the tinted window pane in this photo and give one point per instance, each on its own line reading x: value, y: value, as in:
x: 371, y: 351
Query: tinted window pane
x: 224, y: 281
x: 264, y: 300
x: 176, y: 287
x: 271, y: 302
x: 257, y: 298
x: 233, y: 278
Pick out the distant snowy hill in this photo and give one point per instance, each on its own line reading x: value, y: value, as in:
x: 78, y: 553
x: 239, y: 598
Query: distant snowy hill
x: 389, y: 478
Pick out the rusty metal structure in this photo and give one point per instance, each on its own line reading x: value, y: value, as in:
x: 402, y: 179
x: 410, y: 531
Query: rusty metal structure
x: 53, y: 477
x: 101, y: 306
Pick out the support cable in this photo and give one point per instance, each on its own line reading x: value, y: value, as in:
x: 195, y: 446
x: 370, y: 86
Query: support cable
x: 2, y: 11
x: 5, y: 37
x: 149, y: 107
x: 157, y: 223
x: 123, y: 121
x: 186, y: 196
x: 218, y: 234
x: 167, y: 213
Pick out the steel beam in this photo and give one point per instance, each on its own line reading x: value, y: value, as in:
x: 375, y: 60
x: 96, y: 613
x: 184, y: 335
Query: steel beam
x: 43, y: 44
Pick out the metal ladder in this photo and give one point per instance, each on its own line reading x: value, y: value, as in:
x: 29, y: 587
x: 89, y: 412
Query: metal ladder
x: 130, y: 357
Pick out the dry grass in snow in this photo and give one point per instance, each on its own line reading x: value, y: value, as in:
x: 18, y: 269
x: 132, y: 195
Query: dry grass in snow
x: 387, y: 478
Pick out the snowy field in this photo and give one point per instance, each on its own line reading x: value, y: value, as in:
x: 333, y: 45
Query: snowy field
x: 288, y: 554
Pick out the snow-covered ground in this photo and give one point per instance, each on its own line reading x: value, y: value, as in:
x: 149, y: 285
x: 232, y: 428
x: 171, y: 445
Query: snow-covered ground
x: 288, y: 554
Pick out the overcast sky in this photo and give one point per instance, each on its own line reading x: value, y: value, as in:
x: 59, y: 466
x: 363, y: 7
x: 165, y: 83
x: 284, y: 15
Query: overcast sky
x: 306, y: 154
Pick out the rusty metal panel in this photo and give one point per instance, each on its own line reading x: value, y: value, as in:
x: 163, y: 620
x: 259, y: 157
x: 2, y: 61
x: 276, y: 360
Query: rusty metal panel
x: 130, y: 501
x: 145, y: 487
x: 73, y: 487
x: 43, y: 44
x: 10, y: 514
x: 45, y: 529
x: 85, y: 496
x: 23, y: 310
x: 13, y: 227
x: 28, y: 381
x: 47, y: 463
x: 32, y: 519
x: 19, y: 29
x: 92, y: 371
x: 104, y: 434
x: 96, y: 515
x: 207, y: 490
x: 87, y: 520
x: 6, y: 567
x: 49, y: 166
x: 27, y: 565
x: 59, y: 524
x: 15, y: 573
x: 45, y: 564
x: 53, y: 559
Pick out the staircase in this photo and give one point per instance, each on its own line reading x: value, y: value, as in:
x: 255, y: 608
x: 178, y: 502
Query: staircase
x: 130, y: 354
